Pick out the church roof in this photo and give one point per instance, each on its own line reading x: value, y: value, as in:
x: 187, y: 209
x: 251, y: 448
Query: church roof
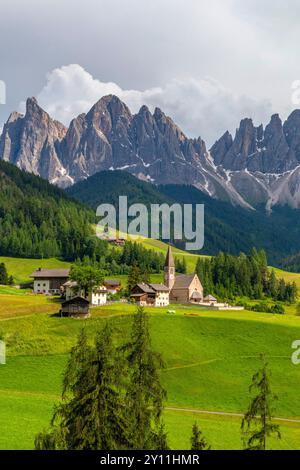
x: 183, y: 281
x: 169, y: 259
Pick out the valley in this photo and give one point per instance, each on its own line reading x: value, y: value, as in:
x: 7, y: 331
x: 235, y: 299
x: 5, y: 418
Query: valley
x: 200, y: 348
x: 199, y: 351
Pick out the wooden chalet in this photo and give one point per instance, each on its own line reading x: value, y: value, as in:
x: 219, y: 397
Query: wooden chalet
x: 152, y: 295
x: 75, y: 307
x: 112, y: 285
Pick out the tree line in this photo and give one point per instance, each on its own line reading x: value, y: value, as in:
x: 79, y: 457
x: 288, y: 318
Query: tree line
x: 227, y: 277
x: 113, y: 261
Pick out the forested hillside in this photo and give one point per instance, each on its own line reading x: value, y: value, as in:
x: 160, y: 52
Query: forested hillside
x: 38, y: 220
x: 228, y: 228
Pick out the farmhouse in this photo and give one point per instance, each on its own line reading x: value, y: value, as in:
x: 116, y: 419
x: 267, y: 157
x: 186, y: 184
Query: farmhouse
x: 97, y: 297
x: 184, y: 288
x: 155, y: 295
x: 49, y: 281
x: 77, y: 307
x: 112, y: 285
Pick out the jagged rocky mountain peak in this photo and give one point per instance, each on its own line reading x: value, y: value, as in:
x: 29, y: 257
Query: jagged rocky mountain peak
x: 255, y: 166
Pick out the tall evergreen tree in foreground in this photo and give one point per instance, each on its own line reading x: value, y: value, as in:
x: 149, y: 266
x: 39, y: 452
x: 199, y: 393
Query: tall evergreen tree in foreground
x: 198, y: 441
x: 145, y: 394
x: 91, y: 415
x: 257, y: 424
x: 112, y: 397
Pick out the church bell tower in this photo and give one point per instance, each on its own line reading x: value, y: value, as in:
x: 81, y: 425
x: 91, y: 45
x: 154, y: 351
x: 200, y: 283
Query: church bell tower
x: 169, y: 270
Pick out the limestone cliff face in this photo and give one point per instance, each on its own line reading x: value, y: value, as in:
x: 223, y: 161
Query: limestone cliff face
x: 263, y: 164
x: 257, y: 166
x: 148, y: 145
x: 275, y: 149
x: 32, y: 141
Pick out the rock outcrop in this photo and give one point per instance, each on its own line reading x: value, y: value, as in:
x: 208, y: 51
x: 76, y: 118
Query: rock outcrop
x: 258, y: 166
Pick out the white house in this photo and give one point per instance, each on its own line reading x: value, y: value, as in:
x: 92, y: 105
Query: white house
x: 97, y: 297
x: 49, y: 281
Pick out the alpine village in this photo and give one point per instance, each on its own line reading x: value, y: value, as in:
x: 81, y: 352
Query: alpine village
x: 136, y: 343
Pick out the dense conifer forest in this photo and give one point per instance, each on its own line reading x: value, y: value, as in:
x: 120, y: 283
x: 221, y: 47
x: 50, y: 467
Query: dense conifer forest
x: 228, y: 276
x: 37, y: 220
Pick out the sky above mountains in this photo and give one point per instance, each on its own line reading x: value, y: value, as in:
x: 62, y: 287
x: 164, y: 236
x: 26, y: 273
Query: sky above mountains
x: 206, y: 63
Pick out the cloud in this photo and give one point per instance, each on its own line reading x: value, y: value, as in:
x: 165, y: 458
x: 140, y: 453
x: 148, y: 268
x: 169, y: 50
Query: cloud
x: 201, y: 107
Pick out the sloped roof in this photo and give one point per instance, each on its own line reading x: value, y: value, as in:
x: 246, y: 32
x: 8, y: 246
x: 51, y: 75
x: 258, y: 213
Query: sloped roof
x: 196, y: 295
x: 183, y: 281
x: 70, y: 284
x: 169, y: 259
x: 76, y: 300
x: 50, y: 273
x: 159, y: 287
x: 101, y: 290
x: 146, y: 288
x: 210, y: 297
x: 113, y: 282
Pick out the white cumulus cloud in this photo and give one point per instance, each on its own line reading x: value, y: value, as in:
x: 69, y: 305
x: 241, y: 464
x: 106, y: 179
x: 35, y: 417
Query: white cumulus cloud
x: 201, y: 107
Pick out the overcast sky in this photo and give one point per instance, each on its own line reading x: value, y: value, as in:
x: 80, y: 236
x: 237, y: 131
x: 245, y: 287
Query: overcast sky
x: 206, y: 63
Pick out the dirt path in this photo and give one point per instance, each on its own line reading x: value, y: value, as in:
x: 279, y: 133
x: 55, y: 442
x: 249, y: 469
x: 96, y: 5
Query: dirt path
x: 225, y: 413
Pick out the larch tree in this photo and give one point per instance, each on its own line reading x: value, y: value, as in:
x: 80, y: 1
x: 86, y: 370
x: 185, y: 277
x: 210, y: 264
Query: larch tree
x: 145, y: 394
x: 198, y: 441
x: 91, y: 415
x: 257, y: 424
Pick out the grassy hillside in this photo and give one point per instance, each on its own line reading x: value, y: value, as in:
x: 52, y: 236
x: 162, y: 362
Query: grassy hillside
x: 210, y: 358
x: 289, y: 277
x: 21, y: 268
x: 161, y: 247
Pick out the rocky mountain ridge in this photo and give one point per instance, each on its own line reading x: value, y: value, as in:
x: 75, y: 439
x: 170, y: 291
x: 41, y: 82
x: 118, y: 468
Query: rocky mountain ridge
x: 259, y: 166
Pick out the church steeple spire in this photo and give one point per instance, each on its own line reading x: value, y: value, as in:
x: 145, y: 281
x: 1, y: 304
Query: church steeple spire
x: 169, y: 269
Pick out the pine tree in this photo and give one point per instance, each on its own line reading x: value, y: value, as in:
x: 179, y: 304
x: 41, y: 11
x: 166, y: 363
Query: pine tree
x: 257, y: 423
x: 91, y: 415
x: 145, y: 394
x: 3, y: 274
x: 198, y: 442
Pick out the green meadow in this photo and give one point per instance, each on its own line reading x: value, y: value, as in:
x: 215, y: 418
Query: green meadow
x: 21, y: 268
x: 210, y: 358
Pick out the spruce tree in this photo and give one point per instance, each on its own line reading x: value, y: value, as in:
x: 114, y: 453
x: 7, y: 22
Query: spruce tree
x: 145, y: 394
x: 91, y: 415
x: 198, y: 442
x: 3, y: 274
x: 257, y: 424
